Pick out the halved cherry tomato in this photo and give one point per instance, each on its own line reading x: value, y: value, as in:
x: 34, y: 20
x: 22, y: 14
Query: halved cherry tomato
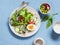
x: 31, y: 22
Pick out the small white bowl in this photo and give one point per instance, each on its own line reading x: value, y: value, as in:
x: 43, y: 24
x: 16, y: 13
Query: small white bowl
x: 39, y: 41
x: 56, y: 27
x: 44, y: 3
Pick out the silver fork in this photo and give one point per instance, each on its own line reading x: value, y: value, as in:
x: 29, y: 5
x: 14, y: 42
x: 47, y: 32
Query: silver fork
x: 23, y: 5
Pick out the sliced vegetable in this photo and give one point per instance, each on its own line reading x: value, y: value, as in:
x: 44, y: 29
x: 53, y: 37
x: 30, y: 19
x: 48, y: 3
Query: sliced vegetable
x: 17, y: 29
x: 20, y: 18
x: 31, y: 22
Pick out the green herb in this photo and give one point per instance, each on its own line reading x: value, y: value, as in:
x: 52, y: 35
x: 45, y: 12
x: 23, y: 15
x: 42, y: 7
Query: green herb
x: 54, y: 14
x: 49, y: 20
x: 45, y: 18
x: 49, y: 23
x: 23, y: 12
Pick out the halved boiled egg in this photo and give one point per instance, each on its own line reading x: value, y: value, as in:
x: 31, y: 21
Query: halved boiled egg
x: 31, y: 27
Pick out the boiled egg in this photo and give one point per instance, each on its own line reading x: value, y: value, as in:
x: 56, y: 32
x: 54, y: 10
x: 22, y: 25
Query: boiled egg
x: 31, y: 27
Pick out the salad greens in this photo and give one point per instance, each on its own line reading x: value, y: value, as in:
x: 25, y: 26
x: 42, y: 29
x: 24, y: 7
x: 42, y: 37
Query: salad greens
x: 24, y: 13
x: 20, y: 19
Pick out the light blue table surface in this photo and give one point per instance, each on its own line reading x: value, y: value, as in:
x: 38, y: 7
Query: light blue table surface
x: 8, y: 38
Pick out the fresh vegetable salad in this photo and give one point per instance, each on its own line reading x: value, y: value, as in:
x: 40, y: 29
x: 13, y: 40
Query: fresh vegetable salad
x: 23, y: 21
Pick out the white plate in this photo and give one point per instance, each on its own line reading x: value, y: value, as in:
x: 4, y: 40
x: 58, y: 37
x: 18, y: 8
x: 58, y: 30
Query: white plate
x: 37, y: 26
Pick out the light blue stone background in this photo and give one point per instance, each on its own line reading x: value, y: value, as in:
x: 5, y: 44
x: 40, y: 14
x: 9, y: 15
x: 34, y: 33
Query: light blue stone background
x: 8, y: 38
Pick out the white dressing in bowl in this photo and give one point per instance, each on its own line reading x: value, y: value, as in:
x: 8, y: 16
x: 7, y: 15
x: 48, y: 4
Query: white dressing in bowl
x: 56, y: 28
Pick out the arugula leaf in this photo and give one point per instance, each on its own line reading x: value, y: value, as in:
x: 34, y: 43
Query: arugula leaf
x: 14, y: 17
x: 45, y: 18
x: 22, y: 12
x: 49, y: 19
x: 54, y: 14
x: 49, y: 23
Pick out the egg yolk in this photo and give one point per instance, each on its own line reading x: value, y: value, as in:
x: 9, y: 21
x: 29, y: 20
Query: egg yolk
x: 31, y: 27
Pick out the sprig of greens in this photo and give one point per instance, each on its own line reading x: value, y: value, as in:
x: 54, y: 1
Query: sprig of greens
x: 49, y: 20
x: 45, y: 18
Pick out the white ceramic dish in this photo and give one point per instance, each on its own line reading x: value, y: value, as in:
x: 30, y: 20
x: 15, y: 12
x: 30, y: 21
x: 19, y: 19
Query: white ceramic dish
x: 37, y: 26
x: 39, y: 41
x: 40, y: 9
x: 56, y: 27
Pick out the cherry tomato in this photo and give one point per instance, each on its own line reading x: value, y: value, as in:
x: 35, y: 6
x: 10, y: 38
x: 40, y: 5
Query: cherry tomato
x: 31, y: 22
